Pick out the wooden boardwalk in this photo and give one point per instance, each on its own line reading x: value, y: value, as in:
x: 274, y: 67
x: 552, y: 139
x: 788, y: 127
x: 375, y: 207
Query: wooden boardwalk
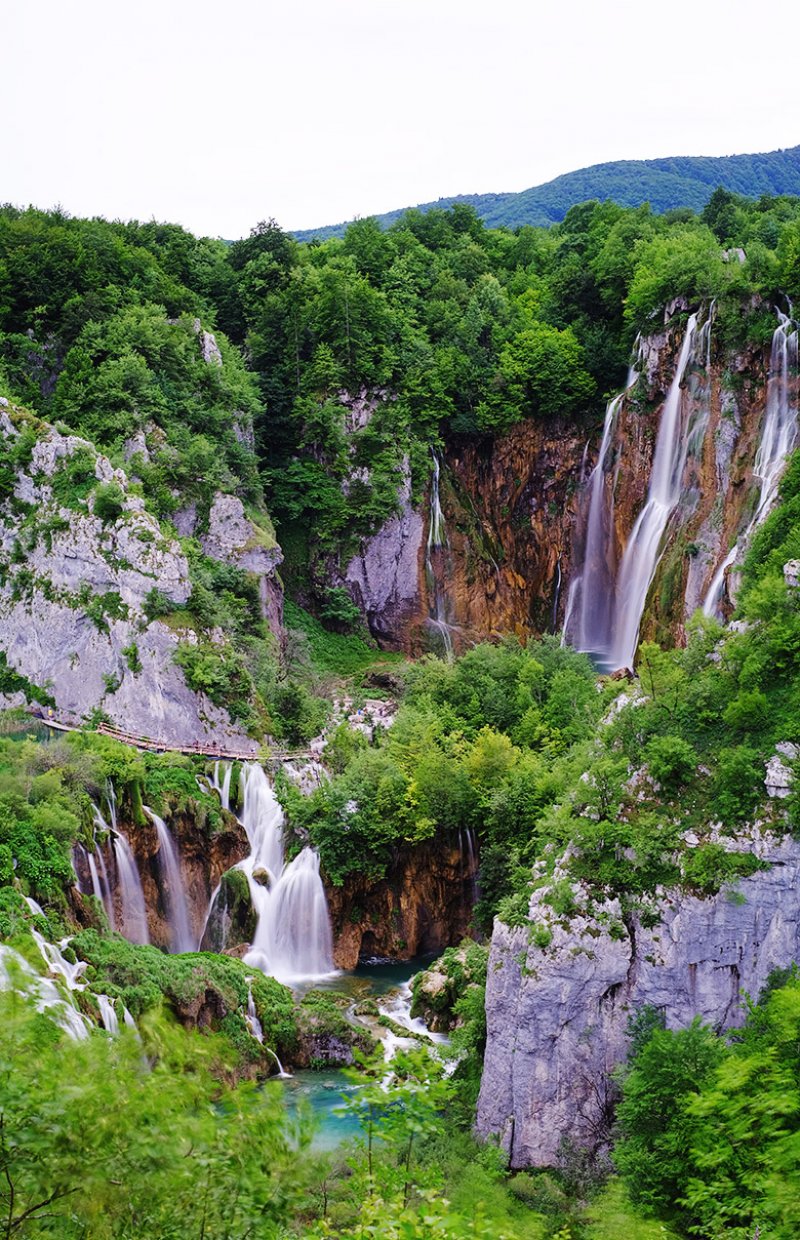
x: 197, y: 748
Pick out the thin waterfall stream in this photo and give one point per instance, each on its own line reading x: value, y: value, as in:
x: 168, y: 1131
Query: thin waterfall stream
x: 778, y: 437
x: 434, y: 549
x: 182, y: 939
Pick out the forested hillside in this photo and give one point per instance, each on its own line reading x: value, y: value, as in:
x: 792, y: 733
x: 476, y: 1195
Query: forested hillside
x: 666, y: 184
x: 221, y: 466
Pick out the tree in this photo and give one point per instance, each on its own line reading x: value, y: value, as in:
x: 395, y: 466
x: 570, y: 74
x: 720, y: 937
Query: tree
x: 656, y: 1128
x: 542, y: 374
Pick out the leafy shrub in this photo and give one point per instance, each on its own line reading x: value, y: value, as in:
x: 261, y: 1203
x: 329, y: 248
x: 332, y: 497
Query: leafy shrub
x: 108, y: 502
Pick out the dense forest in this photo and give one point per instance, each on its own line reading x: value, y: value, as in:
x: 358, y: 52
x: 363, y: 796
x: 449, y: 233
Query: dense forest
x: 202, y: 368
x: 666, y: 184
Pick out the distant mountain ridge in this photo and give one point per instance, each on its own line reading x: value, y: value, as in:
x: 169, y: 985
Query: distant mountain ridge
x: 681, y: 181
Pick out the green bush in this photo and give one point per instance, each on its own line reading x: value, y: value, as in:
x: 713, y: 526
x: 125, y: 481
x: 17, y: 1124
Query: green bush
x: 108, y: 502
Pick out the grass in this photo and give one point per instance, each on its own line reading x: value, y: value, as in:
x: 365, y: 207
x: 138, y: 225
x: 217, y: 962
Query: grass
x: 340, y: 654
x: 612, y: 1217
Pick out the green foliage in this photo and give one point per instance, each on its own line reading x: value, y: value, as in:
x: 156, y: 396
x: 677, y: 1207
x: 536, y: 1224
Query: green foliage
x: 12, y: 682
x: 709, y: 1128
x: 100, y: 1139
x: 108, y: 502
x: 671, y: 761
x: 655, y: 1130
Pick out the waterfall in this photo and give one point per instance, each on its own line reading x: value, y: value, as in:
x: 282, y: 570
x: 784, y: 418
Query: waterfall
x: 223, y: 789
x: 557, y: 593
x: 778, y: 435
x: 469, y: 860
x: 589, y: 614
x: 293, y: 936
x: 182, y: 939
x: 58, y: 963
x: 295, y: 933
x: 108, y: 1015
x: 105, y: 885
x: 101, y: 888
x: 596, y: 584
x: 133, y: 913
x: 251, y: 1016
x: 643, y: 548
x: 437, y: 542
x: 46, y: 995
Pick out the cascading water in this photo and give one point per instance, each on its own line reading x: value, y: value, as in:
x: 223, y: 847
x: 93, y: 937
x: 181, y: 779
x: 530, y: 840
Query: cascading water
x: 778, y: 436
x: 182, y: 939
x: 643, y: 548
x: 437, y: 543
x: 469, y: 861
x: 224, y: 788
x: 16, y: 973
x: 293, y: 938
x: 590, y: 599
x: 132, y: 922
x: 108, y: 1015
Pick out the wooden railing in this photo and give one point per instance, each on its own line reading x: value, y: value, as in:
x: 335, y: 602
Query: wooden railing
x: 199, y: 748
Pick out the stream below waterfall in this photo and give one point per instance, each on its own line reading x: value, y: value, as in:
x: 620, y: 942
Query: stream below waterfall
x: 324, y: 1092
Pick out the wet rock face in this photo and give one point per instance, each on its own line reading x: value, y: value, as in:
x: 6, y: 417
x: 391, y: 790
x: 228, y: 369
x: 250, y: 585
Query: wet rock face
x: 557, y: 1015
x: 423, y: 905
x: 232, y: 919
x: 509, y: 508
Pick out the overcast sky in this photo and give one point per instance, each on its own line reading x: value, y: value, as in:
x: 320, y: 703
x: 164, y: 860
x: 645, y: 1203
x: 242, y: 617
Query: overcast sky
x: 219, y: 115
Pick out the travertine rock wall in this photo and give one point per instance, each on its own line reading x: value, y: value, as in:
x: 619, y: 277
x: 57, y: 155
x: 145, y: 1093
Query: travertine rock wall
x: 557, y: 1014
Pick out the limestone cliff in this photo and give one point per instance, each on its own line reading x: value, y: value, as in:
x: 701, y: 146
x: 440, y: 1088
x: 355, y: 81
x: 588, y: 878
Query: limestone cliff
x: 77, y: 582
x: 516, y: 508
x: 510, y: 509
x: 424, y: 904
x: 560, y: 991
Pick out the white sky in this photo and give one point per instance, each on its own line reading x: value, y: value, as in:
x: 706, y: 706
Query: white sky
x: 217, y: 115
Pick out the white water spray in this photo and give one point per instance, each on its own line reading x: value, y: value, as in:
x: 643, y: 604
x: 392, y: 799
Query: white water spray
x: 293, y: 939
x: 589, y: 614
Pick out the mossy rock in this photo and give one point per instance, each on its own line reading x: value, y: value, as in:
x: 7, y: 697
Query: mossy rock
x: 326, y: 1037
x: 233, y: 919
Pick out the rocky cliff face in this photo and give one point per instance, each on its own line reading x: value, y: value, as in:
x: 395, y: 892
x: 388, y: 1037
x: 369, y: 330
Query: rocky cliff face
x: 423, y: 905
x: 557, y: 1014
x: 510, y: 509
x: 205, y: 855
x: 516, y: 508
x: 74, y: 585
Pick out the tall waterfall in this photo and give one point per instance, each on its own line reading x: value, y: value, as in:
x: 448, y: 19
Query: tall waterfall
x: 778, y: 435
x: 437, y: 542
x: 643, y: 548
x: 293, y: 937
x: 589, y: 613
x: 182, y: 939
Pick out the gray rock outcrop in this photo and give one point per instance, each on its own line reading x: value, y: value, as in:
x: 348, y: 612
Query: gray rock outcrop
x: 558, y: 1012
x: 780, y: 777
x: 74, y: 602
x: 384, y: 577
x: 234, y: 539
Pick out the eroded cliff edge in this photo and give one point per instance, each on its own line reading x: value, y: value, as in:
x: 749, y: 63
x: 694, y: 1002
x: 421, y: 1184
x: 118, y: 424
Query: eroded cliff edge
x: 560, y: 992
